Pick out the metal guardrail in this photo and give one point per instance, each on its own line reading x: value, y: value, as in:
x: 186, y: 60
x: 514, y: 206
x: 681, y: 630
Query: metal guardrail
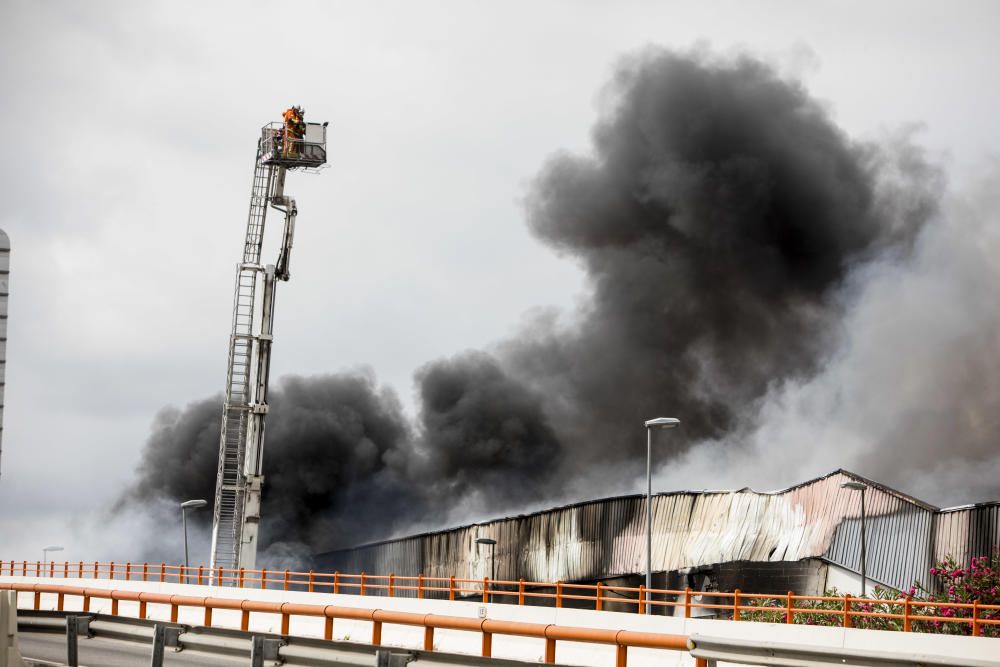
x: 261, y: 649
x: 258, y: 649
x: 742, y: 652
x: 790, y: 607
x: 622, y: 640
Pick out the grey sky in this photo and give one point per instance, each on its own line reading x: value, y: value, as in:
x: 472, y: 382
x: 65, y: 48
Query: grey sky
x: 130, y: 138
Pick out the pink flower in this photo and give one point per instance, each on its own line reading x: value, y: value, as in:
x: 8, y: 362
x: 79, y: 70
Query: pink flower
x: 934, y: 570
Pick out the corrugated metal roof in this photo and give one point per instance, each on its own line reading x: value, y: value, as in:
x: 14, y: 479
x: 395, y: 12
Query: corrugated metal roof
x: 605, y: 538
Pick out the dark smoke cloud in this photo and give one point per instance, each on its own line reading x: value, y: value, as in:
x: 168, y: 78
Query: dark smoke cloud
x: 483, y: 431
x: 718, y: 215
x: 335, y: 461
x: 720, y: 219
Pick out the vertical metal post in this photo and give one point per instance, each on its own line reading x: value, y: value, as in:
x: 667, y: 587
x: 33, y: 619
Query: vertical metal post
x: 863, y: 546
x: 493, y: 562
x: 156, y: 660
x: 72, y: 633
x: 257, y: 651
x: 649, y: 515
x: 185, y: 522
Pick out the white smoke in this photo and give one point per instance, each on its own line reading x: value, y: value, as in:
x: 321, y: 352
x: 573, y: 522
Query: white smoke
x: 911, y: 395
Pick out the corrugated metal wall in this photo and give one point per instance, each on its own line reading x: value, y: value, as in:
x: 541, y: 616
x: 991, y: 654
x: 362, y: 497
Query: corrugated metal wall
x: 898, y: 536
x: 606, y: 538
x: 964, y: 532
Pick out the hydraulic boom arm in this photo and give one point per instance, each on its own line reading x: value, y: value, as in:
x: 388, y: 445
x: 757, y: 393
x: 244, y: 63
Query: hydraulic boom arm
x: 240, y: 477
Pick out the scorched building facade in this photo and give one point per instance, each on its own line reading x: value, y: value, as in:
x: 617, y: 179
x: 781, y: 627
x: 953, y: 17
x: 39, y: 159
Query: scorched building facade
x: 805, y: 538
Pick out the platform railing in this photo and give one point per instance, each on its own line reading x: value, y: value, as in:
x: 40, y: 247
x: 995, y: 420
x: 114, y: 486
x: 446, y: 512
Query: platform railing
x: 909, y: 614
x: 622, y: 640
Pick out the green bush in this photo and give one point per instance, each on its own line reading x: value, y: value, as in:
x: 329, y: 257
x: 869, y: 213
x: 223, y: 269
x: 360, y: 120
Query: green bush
x: 960, y: 585
x: 980, y: 581
x: 892, y: 605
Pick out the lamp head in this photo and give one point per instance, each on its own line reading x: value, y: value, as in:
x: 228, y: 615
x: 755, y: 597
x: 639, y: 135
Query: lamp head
x: 854, y: 486
x: 192, y: 504
x: 485, y: 540
x: 53, y: 548
x: 663, y: 422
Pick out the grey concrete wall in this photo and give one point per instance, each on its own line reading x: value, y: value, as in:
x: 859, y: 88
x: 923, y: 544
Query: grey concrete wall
x: 804, y: 577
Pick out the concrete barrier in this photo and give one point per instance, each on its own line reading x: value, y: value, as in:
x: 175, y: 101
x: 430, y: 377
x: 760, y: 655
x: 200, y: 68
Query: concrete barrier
x: 960, y: 650
x: 10, y: 656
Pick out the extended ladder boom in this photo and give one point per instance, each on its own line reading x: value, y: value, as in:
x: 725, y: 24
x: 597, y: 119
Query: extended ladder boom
x: 240, y: 477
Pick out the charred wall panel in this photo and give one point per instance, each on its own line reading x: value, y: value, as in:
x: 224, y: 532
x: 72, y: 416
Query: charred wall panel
x: 603, y: 539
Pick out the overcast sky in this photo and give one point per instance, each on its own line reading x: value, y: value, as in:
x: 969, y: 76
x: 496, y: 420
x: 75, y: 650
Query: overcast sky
x: 131, y: 131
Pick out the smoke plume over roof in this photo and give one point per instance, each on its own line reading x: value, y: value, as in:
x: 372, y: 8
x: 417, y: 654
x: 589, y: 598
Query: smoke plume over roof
x: 738, y: 247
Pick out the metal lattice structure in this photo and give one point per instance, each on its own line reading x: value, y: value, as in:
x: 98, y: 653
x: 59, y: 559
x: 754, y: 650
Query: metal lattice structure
x: 241, y: 445
x: 4, y: 275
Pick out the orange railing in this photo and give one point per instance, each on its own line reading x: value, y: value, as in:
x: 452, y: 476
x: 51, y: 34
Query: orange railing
x: 788, y: 608
x: 620, y: 639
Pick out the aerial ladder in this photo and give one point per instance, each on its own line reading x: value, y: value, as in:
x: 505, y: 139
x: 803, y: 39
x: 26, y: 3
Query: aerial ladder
x: 240, y: 478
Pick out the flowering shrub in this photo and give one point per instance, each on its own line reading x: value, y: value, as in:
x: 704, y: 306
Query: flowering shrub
x: 892, y: 604
x: 979, y: 581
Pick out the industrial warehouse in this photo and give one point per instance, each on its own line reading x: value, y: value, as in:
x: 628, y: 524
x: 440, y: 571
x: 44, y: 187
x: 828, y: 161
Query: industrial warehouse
x: 806, y: 539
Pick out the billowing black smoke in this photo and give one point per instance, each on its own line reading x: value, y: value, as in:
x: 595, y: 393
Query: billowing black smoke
x: 718, y: 218
x: 337, y: 450
x: 483, y: 432
x: 718, y: 215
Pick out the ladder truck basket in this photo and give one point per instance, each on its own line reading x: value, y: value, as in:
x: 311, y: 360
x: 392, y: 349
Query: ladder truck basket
x: 279, y: 149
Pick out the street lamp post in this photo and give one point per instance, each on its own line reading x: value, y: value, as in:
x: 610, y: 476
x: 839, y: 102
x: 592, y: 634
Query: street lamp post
x: 185, y: 506
x: 858, y: 486
x: 45, y: 556
x: 659, y: 422
x: 491, y: 543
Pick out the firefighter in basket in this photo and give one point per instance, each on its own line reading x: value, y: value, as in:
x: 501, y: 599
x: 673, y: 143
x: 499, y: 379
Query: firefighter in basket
x: 295, y: 130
